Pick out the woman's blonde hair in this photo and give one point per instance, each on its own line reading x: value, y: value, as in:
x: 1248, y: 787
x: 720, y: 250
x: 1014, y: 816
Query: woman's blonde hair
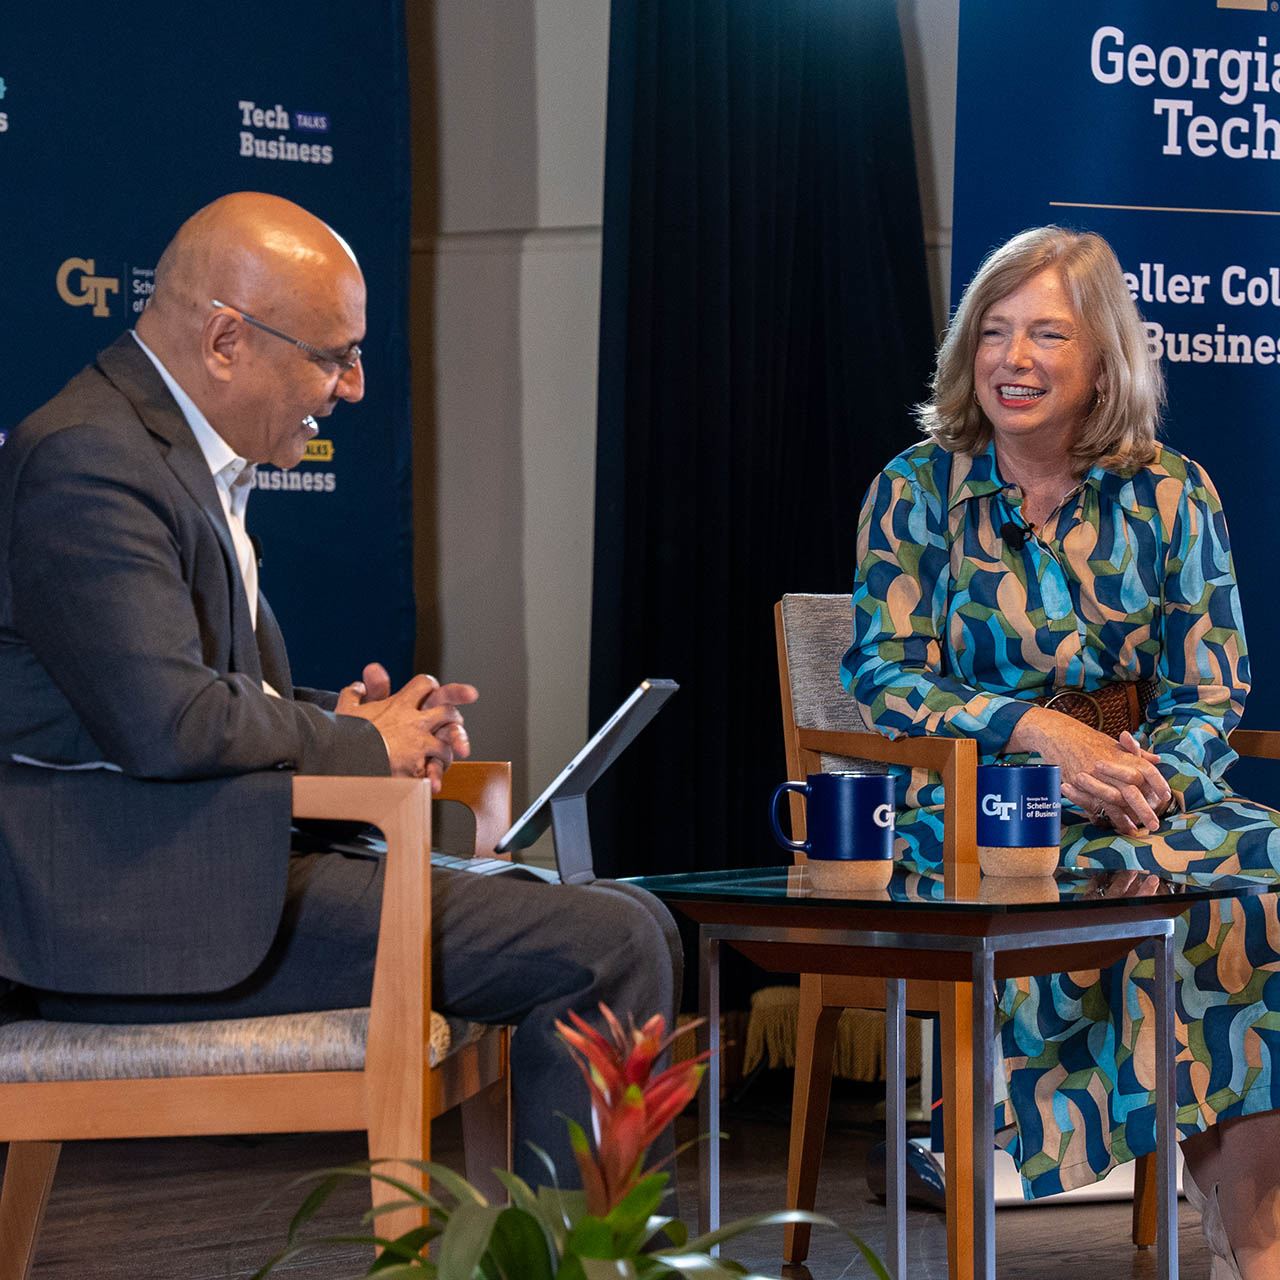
x: 1120, y: 430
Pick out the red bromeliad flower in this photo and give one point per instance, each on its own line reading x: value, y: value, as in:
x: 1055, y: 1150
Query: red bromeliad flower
x: 629, y: 1110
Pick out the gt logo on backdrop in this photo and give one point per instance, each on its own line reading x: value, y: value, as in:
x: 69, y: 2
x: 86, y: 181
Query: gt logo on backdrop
x: 80, y: 286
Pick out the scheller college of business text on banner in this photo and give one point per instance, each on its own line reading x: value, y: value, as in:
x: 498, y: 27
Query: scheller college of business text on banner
x: 1157, y: 124
x: 116, y: 122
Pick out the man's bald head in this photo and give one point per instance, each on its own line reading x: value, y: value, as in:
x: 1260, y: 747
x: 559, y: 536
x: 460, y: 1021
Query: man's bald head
x: 267, y: 257
x: 256, y: 250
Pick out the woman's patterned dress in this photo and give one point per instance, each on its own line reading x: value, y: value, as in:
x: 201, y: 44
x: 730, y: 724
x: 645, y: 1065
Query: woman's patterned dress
x: 954, y: 629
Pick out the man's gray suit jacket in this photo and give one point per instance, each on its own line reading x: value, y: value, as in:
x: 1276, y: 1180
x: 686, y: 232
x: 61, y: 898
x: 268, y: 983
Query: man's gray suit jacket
x: 125, y: 637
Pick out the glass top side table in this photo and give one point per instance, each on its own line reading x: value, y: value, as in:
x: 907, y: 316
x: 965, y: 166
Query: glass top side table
x: 989, y: 928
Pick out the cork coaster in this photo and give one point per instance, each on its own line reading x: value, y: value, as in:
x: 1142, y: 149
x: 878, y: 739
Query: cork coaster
x: 1018, y: 889
x: 995, y: 861
x: 848, y: 874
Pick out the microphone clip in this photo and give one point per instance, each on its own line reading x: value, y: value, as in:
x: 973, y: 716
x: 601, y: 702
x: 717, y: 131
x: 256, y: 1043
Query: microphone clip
x: 1015, y: 535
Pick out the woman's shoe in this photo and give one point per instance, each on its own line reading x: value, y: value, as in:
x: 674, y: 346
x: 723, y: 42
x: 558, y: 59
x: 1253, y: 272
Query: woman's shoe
x: 1224, y: 1265
x: 926, y: 1182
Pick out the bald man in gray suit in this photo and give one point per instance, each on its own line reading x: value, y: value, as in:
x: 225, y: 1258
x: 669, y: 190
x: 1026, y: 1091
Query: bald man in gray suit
x: 148, y: 720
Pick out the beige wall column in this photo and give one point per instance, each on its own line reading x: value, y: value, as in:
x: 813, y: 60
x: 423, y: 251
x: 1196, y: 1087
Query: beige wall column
x: 508, y: 103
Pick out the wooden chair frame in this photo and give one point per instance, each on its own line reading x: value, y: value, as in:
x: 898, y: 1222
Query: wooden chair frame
x: 394, y: 1098
x: 824, y: 997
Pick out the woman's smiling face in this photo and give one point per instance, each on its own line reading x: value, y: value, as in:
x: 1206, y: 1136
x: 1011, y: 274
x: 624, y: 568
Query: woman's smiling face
x: 1036, y: 370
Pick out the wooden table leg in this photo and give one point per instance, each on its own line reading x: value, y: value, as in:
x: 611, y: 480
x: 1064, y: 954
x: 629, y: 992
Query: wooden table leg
x: 955, y: 1000
x: 810, y: 1102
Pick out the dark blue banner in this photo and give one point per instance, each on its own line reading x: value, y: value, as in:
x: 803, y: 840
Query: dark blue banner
x: 116, y: 123
x: 1156, y: 124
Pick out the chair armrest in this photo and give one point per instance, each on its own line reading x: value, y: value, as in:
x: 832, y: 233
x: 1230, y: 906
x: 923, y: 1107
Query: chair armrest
x: 956, y: 759
x: 1263, y: 744
x: 932, y: 752
x: 484, y: 786
x: 401, y: 809
x: 399, y: 1010
x: 344, y: 799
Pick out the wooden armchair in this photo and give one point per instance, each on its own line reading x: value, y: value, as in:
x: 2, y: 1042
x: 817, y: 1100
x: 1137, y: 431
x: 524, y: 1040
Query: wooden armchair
x: 388, y: 1069
x: 823, y: 730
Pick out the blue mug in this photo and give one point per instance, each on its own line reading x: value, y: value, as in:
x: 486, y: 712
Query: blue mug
x: 1019, y: 805
x: 1019, y: 818
x: 848, y: 814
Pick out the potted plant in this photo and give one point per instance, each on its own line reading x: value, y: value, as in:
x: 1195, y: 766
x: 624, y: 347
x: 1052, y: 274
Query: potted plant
x: 612, y: 1228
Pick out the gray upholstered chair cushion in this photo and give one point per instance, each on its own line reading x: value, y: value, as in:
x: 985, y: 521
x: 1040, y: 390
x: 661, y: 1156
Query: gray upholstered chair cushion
x: 332, y: 1040
x: 818, y: 629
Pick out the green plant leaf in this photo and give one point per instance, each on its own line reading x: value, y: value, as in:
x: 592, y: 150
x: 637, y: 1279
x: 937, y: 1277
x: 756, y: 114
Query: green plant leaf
x: 312, y: 1203
x: 578, y: 1139
x: 454, y: 1183
x: 415, y: 1194
x: 675, y: 1232
x: 592, y: 1238
x: 704, y: 1243
x: 560, y: 1210
x: 391, y: 1206
x: 549, y: 1220
x: 640, y: 1202
x: 369, y: 1169
x: 465, y: 1239
x: 522, y: 1195
x: 609, y: 1269
x: 546, y: 1159
x: 519, y: 1247
x: 408, y: 1247
x: 672, y: 1228
x: 632, y: 1219
x: 872, y: 1259
x: 701, y: 1264
x: 570, y: 1268
x: 268, y: 1267
x: 330, y: 1180
x: 547, y: 1209
x: 307, y: 1246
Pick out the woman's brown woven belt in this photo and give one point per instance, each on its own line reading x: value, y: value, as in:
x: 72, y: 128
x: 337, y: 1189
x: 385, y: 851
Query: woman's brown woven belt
x: 1110, y: 708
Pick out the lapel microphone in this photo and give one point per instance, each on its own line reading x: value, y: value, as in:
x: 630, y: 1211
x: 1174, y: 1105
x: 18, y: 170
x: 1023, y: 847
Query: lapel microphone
x: 1014, y: 535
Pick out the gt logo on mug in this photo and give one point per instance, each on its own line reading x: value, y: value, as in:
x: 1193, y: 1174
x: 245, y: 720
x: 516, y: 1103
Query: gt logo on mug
x: 996, y: 808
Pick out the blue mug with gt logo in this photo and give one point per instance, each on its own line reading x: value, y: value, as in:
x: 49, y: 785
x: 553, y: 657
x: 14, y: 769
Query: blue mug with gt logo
x: 848, y: 815
x: 1019, y: 818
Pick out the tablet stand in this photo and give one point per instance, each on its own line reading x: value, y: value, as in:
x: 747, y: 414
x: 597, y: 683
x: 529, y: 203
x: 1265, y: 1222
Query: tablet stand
x: 570, y: 831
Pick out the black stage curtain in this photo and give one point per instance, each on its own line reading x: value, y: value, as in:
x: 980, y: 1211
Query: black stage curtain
x: 765, y: 326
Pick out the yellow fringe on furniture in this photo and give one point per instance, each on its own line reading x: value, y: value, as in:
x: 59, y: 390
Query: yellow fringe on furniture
x: 859, y: 1052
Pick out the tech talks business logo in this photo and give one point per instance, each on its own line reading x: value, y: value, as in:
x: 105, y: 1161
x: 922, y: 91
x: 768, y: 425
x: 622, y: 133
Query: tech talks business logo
x: 1261, y: 6
x: 80, y: 286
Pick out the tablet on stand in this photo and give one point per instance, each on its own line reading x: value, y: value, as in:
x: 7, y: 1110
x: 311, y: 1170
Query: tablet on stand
x: 563, y: 804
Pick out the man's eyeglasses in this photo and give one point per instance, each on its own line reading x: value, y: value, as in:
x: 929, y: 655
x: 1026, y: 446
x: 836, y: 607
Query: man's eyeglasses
x: 345, y: 362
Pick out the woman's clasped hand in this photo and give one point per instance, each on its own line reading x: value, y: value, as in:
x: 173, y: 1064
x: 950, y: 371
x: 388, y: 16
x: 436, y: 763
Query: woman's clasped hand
x: 1115, y: 781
